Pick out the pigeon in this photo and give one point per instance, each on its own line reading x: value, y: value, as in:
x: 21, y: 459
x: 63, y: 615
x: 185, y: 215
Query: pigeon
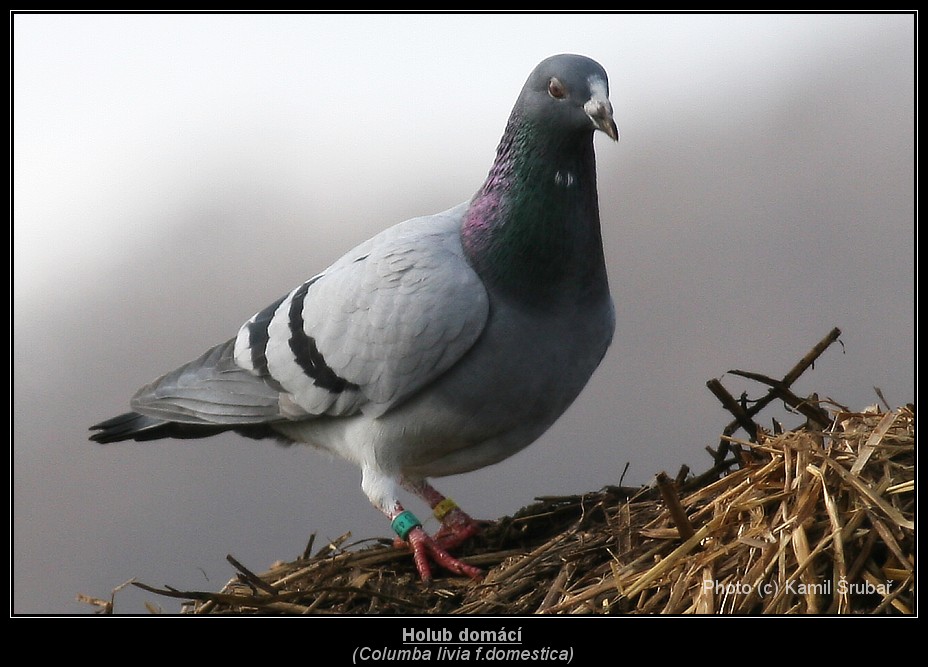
x: 441, y: 345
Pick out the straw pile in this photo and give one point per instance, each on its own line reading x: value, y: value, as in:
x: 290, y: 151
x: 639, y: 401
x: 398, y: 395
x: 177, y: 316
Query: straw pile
x: 816, y: 520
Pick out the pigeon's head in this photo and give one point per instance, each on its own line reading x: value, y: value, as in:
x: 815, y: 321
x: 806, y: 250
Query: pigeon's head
x: 569, y: 93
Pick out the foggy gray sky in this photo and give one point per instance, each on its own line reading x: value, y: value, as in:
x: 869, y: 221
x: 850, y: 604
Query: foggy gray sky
x: 174, y: 174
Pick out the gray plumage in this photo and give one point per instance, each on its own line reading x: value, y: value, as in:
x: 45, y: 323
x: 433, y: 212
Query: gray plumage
x: 443, y: 344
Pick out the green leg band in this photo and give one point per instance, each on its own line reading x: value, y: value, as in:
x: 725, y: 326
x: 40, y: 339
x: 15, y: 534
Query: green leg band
x: 404, y: 522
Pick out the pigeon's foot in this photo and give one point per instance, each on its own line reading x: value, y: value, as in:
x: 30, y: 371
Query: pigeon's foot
x: 425, y: 548
x: 456, y: 528
x: 456, y: 525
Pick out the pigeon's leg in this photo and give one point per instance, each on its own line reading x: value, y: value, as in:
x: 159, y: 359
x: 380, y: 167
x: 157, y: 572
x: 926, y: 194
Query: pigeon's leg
x: 381, y: 490
x: 456, y: 525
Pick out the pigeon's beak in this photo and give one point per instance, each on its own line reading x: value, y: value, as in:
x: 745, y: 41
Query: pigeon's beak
x: 599, y: 109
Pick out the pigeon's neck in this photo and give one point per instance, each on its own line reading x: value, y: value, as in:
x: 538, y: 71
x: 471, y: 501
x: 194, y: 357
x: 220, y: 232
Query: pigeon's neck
x: 532, y: 230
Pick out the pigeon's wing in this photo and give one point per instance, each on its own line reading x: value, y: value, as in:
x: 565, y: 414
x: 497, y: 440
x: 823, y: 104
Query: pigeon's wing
x: 380, y: 324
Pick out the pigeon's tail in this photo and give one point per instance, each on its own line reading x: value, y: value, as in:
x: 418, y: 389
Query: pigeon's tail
x: 133, y: 426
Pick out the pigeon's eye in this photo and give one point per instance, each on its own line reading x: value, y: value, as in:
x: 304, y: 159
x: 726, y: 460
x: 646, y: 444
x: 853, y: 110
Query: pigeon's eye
x: 556, y: 89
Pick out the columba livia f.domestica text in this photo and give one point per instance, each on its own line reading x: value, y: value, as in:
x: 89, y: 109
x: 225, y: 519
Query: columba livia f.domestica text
x: 443, y: 344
